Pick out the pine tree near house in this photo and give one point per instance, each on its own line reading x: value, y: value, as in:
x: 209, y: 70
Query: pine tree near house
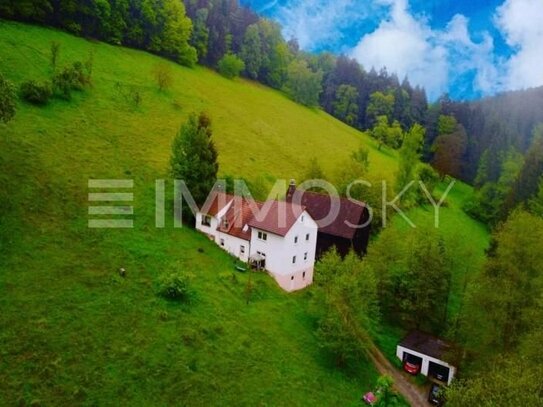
x: 194, y: 159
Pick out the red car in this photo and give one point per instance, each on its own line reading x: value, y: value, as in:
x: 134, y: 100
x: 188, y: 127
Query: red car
x: 412, y: 366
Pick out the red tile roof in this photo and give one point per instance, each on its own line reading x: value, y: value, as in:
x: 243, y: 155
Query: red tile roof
x: 216, y: 202
x: 237, y: 218
x: 277, y: 217
x: 319, y: 207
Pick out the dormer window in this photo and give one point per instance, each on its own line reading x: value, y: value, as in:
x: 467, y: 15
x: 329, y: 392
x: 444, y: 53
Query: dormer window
x: 206, y: 220
x: 225, y: 224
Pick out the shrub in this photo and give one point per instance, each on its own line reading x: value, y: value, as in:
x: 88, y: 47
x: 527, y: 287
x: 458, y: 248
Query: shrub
x: 7, y: 100
x: 70, y: 78
x: 176, y: 287
x: 131, y: 94
x: 55, y: 53
x: 163, y: 76
x: 230, y: 66
x: 37, y: 93
x: 89, y: 66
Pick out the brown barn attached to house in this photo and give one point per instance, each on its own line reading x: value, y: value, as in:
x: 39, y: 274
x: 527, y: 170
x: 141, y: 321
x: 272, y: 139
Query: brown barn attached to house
x: 340, y: 232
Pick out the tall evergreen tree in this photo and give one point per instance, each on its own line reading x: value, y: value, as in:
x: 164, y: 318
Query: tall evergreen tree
x: 194, y: 157
x: 527, y: 183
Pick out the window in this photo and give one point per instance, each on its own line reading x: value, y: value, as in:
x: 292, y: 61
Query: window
x: 307, y: 237
x: 303, y: 217
x: 225, y: 224
x: 242, y: 249
x: 292, y: 278
x: 206, y: 220
x: 222, y: 242
x: 303, y: 275
x: 263, y: 236
x: 294, y: 260
x: 295, y: 239
x: 305, y: 256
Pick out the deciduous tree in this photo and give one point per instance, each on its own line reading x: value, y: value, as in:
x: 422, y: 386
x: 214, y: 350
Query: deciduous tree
x: 303, y: 85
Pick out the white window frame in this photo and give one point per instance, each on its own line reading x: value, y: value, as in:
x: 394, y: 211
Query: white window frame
x: 263, y: 236
x: 307, y: 237
x: 206, y: 220
x: 293, y: 259
x: 242, y: 249
x: 306, y: 255
x: 222, y: 242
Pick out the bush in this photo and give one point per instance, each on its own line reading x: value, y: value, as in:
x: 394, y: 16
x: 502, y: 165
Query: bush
x: 230, y: 66
x: 37, y: 93
x: 70, y: 78
x: 163, y: 76
x: 7, y: 100
x: 131, y: 94
x: 176, y: 287
x: 55, y: 53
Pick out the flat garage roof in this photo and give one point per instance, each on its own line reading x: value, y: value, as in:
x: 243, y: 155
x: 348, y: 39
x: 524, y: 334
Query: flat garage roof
x: 426, y: 344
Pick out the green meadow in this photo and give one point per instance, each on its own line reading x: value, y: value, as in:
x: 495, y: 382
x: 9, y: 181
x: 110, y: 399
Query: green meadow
x: 75, y: 332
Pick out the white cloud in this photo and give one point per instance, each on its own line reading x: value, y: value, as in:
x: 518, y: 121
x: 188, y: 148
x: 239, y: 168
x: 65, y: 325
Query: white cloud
x: 317, y: 22
x: 521, y: 24
x: 407, y: 45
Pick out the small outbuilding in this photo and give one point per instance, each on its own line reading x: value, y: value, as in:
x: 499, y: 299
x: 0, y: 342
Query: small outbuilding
x: 344, y: 224
x: 429, y: 353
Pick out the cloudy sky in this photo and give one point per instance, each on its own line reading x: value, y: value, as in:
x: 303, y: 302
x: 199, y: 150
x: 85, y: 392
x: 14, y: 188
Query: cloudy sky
x: 468, y: 48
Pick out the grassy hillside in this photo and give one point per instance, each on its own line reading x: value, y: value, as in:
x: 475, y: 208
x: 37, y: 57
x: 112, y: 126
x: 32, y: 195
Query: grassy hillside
x: 257, y: 130
x: 72, y: 331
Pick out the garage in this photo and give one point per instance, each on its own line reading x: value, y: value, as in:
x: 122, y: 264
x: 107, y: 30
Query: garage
x: 438, y: 372
x: 425, y: 354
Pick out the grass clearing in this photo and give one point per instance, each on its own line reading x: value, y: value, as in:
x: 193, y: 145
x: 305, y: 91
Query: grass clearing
x: 75, y: 332
x: 72, y: 330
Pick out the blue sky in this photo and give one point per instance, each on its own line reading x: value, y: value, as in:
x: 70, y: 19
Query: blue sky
x: 466, y: 48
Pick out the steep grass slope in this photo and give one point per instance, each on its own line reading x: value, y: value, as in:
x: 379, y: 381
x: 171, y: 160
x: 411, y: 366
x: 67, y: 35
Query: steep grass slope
x: 72, y: 331
x: 257, y: 130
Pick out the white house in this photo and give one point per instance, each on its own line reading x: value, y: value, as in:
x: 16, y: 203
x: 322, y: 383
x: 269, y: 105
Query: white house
x: 277, y: 236
x: 428, y: 352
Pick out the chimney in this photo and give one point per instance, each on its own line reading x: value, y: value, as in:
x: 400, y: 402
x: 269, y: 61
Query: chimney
x: 291, y: 190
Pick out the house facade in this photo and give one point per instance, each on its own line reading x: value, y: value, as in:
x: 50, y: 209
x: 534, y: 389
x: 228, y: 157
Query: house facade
x: 276, y: 236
